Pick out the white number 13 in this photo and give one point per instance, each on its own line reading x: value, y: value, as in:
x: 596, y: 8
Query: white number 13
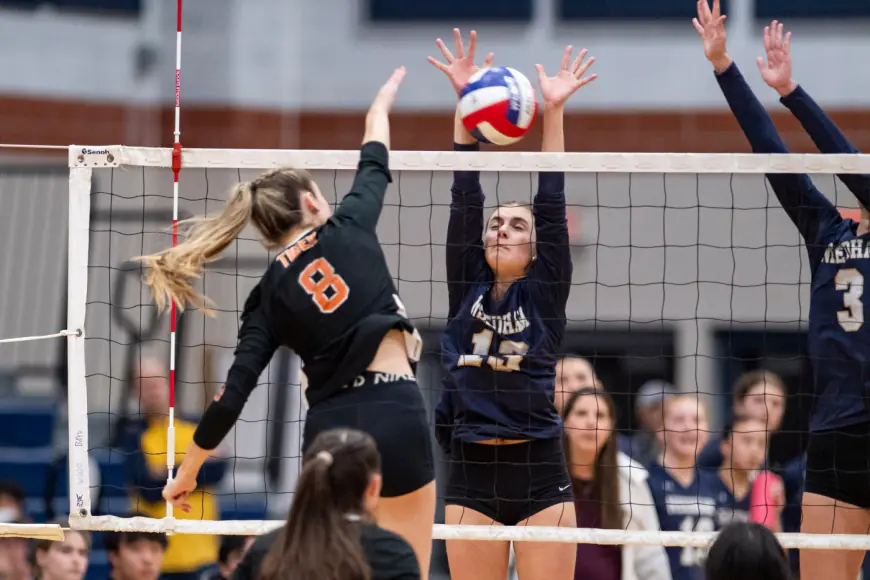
x: 511, y: 353
x: 851, y: 282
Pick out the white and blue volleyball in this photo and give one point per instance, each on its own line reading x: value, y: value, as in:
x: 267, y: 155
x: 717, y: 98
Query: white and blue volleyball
x: 498, y: 105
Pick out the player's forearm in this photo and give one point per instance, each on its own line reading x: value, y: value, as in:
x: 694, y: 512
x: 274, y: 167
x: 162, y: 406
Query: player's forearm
x: 827, y: 136
x: 821, y: 129
x: 460, y: 135
x: 749, y: 112
x: 194, y: 458
x: 377, y: 126
x: 554, y: 130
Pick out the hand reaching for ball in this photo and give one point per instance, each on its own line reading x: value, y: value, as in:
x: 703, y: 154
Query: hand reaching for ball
x: 555, y: 90
x: 460, y: 68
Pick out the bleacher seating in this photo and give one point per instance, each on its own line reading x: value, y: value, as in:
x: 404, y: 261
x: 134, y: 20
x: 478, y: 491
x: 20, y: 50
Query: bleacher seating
x: 28, y: 457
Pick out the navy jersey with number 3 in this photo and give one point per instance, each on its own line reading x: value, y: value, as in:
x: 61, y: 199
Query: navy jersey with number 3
x: 839, y: 336
x: 499, y: 355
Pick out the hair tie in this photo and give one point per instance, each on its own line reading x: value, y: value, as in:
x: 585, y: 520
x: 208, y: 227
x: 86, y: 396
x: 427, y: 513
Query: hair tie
x: 253, y: 187
x: 325, y: 456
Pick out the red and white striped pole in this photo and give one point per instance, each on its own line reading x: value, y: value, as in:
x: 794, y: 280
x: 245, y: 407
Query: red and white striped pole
x: 176, y: 169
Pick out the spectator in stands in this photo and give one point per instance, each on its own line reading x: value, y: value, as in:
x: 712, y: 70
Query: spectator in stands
x: 135, y: 555
x: 14, y: 562
x: 145, y: 443
x: 232, y: 551
x: 572, y: 374
x: 643, y: 446
x: 747, y: 551
x: 66, y: 560
x: 610, y: 492
x: 330, y: 532
x: 11, y: 502
x: 757, y: 395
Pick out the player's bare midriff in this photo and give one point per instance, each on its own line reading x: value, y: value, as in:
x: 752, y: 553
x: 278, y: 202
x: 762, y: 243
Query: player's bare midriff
x: 392, y: 356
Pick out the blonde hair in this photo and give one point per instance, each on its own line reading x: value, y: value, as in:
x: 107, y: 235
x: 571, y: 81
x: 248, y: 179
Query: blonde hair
x: 272, y: 202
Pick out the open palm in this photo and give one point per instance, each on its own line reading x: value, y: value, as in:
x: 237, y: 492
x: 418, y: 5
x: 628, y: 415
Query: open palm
x: 710, y: 25
x: 776, y: 72
x: 460, y: 68
x: 555, y: 90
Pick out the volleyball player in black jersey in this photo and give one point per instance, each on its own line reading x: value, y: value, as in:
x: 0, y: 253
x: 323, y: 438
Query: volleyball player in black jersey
x: 496, y: 419
x: 328, y: 296
x: 836, y: 495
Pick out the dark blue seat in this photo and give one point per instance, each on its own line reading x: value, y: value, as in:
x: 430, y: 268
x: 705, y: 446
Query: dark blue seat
x: 26, y: 423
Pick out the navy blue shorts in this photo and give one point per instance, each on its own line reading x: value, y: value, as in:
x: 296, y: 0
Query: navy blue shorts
x: 390, y: 409
x: 508, y: 483
x: 838, y: 464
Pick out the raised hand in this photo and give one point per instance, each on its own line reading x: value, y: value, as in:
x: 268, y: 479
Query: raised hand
x: 711, y: 28
x: 777, y: 71
x: 387, y: 94
x: 555, y: 90
x: 459, y: 69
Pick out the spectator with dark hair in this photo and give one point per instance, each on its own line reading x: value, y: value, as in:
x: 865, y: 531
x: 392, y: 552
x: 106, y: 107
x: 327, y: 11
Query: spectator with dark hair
x: 643, y: 445
x: 135, y: 555
x: 66, y: 560
x: 758, y: 395
x: 231, y: 552
x: 11, y: 502
x: 572, y: 374
x: 747, y: 551
x: 14, y: 562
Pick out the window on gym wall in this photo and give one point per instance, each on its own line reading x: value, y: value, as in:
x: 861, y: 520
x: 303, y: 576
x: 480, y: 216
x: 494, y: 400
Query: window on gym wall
x: 453, y: 11
x: 790, y: 9
x: 113, y: 7
x: 627, y: 9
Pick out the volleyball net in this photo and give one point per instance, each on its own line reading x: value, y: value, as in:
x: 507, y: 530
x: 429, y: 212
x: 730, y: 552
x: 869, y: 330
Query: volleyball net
x: 686, y: 269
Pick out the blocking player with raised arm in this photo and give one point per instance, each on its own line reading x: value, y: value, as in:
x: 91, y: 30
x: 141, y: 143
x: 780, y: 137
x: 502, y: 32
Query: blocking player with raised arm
x: 838, y: 468
x: 496, y: 419
x: 836, y: 495
x: 328, y: 296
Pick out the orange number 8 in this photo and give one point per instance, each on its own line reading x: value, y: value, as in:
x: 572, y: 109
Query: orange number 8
x: 328, y: 279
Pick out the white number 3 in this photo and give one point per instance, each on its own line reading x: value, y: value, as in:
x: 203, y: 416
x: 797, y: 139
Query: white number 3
x: 851, y: 282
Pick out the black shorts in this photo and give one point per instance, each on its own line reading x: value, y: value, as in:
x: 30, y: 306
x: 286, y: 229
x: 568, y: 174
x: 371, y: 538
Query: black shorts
x: 838, y: 464
x: 508, y: 483
x: 394, y: 414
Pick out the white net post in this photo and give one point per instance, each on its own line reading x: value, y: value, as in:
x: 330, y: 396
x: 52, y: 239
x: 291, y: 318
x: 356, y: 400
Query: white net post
x: 77, y: 292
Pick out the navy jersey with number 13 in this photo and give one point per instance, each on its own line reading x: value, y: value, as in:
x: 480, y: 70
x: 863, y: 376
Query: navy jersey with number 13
x: 500, y: 354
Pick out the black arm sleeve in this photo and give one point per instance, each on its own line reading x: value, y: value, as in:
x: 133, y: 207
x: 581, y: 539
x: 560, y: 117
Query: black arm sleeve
x: 365, y: 200
x: 827, y: 137
x: 553, y: 265
x: 464, y: 253
x: 254, y: 351
x: 807, y: 207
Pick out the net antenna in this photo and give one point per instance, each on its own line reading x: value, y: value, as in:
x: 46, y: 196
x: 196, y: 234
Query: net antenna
x: 176, y: 170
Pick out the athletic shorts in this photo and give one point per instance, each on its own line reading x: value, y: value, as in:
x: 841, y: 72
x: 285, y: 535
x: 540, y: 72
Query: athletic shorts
x: 838, y: 464
x: 390, y: 408
x: 508, y: 483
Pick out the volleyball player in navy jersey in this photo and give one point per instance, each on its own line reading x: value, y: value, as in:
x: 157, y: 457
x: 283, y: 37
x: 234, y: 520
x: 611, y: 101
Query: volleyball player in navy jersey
x: 836, y: 495
x: 685, y: 496
x: 330, y: 297
x: 496, y: 419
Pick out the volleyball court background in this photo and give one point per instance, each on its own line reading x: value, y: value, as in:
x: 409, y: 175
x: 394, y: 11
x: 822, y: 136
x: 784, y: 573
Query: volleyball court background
x: 691, y: 279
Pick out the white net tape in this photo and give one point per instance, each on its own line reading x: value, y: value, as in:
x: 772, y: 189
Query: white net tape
x: 84, y: 160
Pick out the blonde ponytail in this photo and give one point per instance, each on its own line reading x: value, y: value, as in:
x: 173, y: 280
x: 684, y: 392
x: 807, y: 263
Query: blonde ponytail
x: 170, y: 271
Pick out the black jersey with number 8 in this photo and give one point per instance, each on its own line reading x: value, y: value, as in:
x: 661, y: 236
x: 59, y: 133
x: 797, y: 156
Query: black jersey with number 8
x: 328, y: 295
